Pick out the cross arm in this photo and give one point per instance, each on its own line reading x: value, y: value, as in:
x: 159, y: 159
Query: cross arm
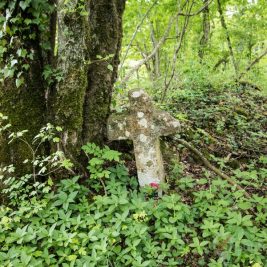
x: 165, y: 124
x: 117, y: 127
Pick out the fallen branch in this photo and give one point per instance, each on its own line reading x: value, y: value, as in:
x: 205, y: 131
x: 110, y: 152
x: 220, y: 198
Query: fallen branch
x: 221, y: 61
x: 249, y: 84
x: 210, y: 166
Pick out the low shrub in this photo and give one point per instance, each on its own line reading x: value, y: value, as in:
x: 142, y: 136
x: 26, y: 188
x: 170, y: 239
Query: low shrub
x: 71, y: 224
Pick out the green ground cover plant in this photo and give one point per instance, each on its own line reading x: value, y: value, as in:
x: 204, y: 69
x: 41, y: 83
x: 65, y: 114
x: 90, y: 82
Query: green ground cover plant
x: 72, y: 63
x: 77, y: 223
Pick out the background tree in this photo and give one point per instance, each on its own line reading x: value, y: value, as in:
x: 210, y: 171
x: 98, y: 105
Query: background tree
x: 204, y: 33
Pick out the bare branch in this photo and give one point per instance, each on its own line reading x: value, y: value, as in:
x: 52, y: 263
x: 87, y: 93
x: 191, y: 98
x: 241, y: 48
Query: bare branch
x: 178, y: 47
x: 159, y: 44
x: 162, y: 40
x: 136, y: 31
x: 197, y: 12
x: 256, y: 60
x: 230, y: 47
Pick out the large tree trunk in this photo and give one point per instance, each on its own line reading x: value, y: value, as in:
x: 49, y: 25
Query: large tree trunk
x: 205, y: 31
x: 25, y: 106
x: 66, y: 98
x: 84, y: 57
x: 229, y: 43
x: 105, y: 37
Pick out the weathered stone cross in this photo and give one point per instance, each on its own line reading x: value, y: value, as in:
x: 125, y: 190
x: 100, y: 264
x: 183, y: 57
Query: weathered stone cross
x: 144, y: 124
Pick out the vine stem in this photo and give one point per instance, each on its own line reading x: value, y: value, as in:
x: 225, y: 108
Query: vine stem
x: 104, y: 187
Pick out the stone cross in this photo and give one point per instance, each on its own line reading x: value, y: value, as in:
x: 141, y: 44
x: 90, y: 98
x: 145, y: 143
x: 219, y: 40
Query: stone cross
x: 144, y: 124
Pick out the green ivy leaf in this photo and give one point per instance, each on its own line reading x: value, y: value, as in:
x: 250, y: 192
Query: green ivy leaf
x: 50, y: 182
x: 72, y: 257
x: 23, y: 4
x: 110, y: 67
x: 14, y: 62
x: 19, y: 82
x: 56, y: 139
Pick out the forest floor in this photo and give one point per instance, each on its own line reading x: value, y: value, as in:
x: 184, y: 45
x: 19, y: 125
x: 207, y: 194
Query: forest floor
x: 105, y: 219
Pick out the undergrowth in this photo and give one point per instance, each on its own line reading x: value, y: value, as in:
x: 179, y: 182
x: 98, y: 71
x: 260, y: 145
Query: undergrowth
x: 105, y: 219
x: 223, y: 121
x: 74, y: 224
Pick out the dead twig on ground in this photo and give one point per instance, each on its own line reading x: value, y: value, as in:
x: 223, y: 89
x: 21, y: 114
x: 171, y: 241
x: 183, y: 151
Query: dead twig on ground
x: 207, y: 163
x: 256, y: 60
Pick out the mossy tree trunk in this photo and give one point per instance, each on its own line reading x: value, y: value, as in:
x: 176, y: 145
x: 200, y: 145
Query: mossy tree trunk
x: 105, y: 37
x: 86, y: 39
x: 24, y: 105
x: 206, y: 31
x: 66, y: 97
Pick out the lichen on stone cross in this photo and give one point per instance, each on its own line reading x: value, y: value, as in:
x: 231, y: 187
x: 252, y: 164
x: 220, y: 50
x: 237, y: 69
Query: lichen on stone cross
x: 144, y: 124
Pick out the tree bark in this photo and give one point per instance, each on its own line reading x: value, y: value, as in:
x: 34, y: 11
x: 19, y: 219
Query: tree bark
x: 156, y: 58
x: 229, y: 43
x: 83, y: 59
x: 206, y: 31
x: 105, y: 37
x: 67, y: 97
x: 25, y: 106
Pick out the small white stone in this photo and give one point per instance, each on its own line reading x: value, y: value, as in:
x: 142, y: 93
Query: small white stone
x: 175, y: 124
x: 120, y: 126
x: 143, y: 122
x: 65, y: 137
x: 127, y: 134
x: 142, y: 138
x: 136, y: 94
x: 140, y: 114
